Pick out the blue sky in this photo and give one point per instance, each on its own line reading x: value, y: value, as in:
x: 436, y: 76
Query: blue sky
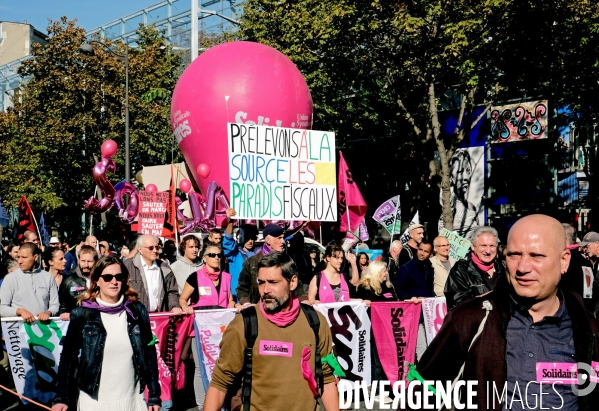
x: 90, y: 14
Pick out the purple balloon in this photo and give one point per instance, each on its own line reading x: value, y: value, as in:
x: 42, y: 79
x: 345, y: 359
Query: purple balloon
x: 127, y: 215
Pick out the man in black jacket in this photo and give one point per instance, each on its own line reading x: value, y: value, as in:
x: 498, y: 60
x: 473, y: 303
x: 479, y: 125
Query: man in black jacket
x: 479, y: 272
x: 77, y: 282
x: 531, y: 326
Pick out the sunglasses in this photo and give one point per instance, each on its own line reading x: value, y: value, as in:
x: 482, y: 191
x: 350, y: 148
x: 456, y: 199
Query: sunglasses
x: 108, y: 277
x: 215, y: 255
x: 153, y: 247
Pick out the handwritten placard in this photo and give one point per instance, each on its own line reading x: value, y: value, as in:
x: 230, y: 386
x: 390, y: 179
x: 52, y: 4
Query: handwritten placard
x: 152, y: 209
x: 459, y: 246
x: 281, y: 173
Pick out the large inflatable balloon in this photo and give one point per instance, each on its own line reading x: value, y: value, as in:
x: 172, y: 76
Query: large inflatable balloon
x: 237, y: 82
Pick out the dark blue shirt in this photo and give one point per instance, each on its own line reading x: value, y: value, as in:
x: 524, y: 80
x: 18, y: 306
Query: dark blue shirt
x: 415, y: 279
x: 528, y: 343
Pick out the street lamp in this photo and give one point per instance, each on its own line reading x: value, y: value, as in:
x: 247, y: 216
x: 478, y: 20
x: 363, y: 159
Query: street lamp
x: 87, y: 49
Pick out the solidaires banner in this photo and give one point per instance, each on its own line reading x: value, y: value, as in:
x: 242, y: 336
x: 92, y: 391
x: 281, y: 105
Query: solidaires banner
x: 395, y: 329
x: 209, y: 326
x: 350, y: 328
x: 33, y: 352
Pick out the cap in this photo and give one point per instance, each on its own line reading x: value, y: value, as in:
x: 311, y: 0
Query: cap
x: 54, y: 240
x: 272, y: 229
x: 590, y: 237
x: 415, y: 226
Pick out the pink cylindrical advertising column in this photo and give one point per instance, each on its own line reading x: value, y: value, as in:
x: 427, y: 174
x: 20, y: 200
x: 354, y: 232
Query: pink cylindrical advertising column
x: 237, y: 82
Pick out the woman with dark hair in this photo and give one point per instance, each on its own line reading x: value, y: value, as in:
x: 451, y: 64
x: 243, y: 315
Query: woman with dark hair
x: 111, y: 330
x: 209, y: 287
x: 330, y: 285
x: 54, y: 262
x: 363, y: 261
x: 12, y: 249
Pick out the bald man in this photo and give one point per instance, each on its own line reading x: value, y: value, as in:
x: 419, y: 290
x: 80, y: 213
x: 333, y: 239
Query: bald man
x: 532, y: 324
x: 91, y: 241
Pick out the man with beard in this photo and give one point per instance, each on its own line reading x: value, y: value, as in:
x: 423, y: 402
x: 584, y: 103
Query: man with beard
x: 284, y: 337
x: 247, y: 288
x: 76, y: 282
x: 407, y: 253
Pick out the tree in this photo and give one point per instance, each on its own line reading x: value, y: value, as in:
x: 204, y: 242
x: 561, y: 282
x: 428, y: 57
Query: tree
x: 364, y: 60
x: 70, y: 104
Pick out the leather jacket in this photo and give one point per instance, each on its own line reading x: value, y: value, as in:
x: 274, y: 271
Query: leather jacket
x: 87, y: 334
x: 466, y: 281
x: 71, y: 288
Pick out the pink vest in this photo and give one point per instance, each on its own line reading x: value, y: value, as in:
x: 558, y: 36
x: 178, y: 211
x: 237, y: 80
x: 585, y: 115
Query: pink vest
x: 326, y: 294
x: 207, y: 290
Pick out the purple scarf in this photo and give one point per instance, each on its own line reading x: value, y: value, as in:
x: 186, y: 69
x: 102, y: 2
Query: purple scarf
x: 109, y: 310
x: 266, y: 249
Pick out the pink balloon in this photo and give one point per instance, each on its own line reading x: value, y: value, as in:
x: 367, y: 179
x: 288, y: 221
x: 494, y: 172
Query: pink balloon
x: 203, y: 170
x: 109, y: 148
x: 152, y: 188
x: 185, y: 185
x: 99, y: 174
x: 237, y: 82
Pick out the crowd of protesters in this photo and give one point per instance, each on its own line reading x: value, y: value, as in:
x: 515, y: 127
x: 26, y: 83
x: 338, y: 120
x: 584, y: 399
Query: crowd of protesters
x: 540, y: 277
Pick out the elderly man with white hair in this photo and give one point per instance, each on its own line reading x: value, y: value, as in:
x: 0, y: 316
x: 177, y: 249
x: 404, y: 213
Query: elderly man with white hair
x: 392, y: 265
x: 152, y: 278
x: 479, y: 272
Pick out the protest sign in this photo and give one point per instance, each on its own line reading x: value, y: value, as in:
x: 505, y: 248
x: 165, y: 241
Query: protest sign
x: 389, y: 215
x: 171, y: 332
x: 209, y: 326
x: 281, y: 173
x: 395, y: 329
x: 350, y: 328
x: 434, y: 311
x: 33, y: 352
x: 459, y: 246
x: 152, y: 209
x: 405, y: 237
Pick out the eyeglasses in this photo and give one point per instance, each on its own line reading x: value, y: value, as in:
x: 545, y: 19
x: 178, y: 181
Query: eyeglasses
x: 108, y: 277
x: 154, y: 247
x: 442, y: 245
x: 215, y: 255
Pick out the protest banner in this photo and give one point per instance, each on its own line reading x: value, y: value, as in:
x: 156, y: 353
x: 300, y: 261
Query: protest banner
x: 373, y: 255
x: 459, y: 246
x: 209, y: 326
x: 171, y: 332
x: 389, y: 215
x: 152, y: 209
x: 278, y: 173
x: 434, y: 311
x: 350, y: 328
x: 395, y: 329
x: 33, y: 353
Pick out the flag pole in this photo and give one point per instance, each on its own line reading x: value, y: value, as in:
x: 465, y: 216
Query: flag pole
x: 174, y: 206
x: 394, y: 223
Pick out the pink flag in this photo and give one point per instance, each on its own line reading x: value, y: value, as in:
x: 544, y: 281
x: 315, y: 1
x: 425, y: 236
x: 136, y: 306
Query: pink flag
x: 395, y: 329
x: 171, y: 332
x: 350, y: 199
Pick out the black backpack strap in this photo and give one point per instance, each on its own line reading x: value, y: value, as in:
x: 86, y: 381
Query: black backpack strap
x: 250, y: 325
x: 314, y: 322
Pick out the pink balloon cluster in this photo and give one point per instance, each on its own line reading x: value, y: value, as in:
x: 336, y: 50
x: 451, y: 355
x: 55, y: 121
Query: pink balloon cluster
x: 205, y: 211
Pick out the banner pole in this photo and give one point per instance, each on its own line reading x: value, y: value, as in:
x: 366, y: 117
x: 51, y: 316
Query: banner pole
x: 394, y: 222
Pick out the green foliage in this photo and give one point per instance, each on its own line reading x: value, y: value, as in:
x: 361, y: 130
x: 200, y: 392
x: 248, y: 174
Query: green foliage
x: 70, y: 105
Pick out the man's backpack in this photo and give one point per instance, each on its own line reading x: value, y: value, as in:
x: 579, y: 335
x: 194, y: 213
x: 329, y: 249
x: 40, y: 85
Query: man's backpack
x: 250, y: 324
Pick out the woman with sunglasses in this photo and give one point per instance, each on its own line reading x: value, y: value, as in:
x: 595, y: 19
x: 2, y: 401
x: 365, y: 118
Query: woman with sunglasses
x: 209, y: 287
x: 111, y: 330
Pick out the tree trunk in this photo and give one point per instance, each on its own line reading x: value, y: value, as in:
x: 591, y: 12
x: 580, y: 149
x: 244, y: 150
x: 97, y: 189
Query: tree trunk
x: 444, y: 156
